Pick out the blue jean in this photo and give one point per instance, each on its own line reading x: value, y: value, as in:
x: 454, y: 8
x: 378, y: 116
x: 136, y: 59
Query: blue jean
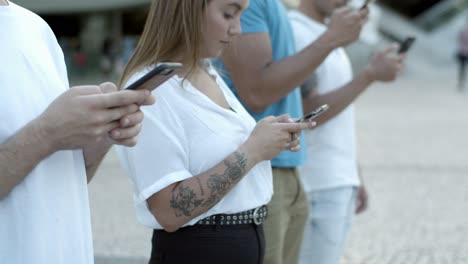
x: 332, y: 212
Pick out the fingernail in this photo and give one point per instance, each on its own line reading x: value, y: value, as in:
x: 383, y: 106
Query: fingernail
x: 126, y: 122
x: 115, y: 134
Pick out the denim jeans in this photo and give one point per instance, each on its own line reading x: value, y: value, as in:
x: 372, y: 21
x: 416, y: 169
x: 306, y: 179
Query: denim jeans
x: 332, y: 212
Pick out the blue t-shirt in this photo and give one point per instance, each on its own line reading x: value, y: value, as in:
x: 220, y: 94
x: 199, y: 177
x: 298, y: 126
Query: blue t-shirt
x: 271, y: 16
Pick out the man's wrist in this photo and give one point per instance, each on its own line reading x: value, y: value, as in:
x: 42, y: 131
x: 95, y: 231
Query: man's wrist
x: 368, y: 75
x: 328, y: 40
x: 44, y: 143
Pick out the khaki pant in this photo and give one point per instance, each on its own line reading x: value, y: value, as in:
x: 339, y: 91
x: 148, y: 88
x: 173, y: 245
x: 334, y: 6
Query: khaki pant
x: 287, y: 215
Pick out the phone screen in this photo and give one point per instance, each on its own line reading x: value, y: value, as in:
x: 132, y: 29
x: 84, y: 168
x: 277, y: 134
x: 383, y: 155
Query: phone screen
x: 156, y: 77
x: 314, y: 114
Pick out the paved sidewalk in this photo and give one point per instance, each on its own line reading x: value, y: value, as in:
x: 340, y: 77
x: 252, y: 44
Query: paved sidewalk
x: 413, y: 148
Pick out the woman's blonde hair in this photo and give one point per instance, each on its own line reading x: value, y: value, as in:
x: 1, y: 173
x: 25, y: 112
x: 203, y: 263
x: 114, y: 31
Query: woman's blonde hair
x: 173, y: 32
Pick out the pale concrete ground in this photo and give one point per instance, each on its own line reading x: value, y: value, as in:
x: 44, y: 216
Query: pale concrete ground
x: 413, y: 148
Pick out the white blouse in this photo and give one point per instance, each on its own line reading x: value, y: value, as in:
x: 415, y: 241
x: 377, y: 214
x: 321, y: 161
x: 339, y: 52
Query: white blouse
x: 185, y: 134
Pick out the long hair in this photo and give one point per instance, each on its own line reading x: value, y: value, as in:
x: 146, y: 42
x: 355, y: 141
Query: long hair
x: 173, y: 32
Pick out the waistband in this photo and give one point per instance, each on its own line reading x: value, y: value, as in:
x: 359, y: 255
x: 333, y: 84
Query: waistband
x: 253, y: 216
x: 283, y: 168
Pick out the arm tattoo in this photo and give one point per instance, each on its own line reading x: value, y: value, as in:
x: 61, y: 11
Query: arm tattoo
x: 184, y: 199
x: 236, y: 169
x: 202, y: 192
x: 220, y: 184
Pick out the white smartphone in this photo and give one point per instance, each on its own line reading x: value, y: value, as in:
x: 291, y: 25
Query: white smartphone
x: 322, y: 109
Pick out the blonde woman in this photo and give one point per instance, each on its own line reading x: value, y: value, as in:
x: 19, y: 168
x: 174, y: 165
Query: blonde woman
x: 201, y: 170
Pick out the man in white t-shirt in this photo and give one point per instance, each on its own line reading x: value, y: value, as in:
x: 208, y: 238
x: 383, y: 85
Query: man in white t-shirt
x: 332, y: 181
x: 52, y: 139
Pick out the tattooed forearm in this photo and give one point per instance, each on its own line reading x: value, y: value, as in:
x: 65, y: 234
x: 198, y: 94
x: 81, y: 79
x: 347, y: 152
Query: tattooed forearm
x: 220, y: 184
x: 202, y: 192
x: 236, y: 169
x: 185, y: 200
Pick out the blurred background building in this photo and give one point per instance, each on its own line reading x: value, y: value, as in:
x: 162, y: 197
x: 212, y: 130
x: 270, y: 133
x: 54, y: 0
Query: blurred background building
x: 94, y: 34
x: 101, y: 34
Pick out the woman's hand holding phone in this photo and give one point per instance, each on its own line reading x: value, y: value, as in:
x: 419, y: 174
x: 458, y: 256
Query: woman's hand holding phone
x: 314, y: 114
x: 272, y: 135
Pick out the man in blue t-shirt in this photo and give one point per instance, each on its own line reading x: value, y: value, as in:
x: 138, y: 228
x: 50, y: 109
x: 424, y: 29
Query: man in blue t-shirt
x: 264, y: 72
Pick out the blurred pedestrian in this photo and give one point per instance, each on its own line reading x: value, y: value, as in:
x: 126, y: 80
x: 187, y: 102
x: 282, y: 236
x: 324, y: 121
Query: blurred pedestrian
x: 265, y: 73
x: 80, y: 59
x: 52, y: 140
x: 462, y: 56
x: 106, y: 60
x: 201, y: 172
x: 334, y: 187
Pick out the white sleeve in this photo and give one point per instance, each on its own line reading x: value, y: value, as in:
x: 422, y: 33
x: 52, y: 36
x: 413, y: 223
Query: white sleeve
x: 160, y: 157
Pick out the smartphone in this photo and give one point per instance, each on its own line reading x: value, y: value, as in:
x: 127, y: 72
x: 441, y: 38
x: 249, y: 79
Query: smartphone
x: 366, y: 3
x: 406, y: 44
x: 314, y: 114
x: 157, y: 76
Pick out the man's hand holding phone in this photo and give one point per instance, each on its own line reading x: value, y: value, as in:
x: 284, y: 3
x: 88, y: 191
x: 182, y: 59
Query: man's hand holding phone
x: 84, y: 115
x: 385, y: 65
x: 345, y: 26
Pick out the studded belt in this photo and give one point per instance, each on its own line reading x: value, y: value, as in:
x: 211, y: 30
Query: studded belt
x: 252, y: 216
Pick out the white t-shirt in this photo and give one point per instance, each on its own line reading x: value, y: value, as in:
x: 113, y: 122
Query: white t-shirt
x: 45, y: 219
x: 185, y: 134
x: 332, y: 157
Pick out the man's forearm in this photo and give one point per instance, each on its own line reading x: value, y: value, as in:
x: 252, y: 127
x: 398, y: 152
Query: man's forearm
x: 277, y: 79
x: 338, y: 99
x: 93, y: 157
x: 20, y: 154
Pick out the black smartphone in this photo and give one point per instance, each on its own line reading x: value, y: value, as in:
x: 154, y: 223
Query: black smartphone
x: 406, y: 44
x: 366, y: 3
x: 322, y: 109
x: 157, y: 76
